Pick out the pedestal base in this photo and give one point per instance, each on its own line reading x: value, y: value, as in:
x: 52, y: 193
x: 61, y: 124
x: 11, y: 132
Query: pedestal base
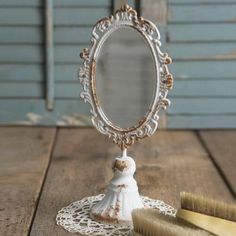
x: 122, y: 195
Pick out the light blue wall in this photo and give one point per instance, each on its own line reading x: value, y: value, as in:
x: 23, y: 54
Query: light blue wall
x: 23, y: 71
x: 200, y: 36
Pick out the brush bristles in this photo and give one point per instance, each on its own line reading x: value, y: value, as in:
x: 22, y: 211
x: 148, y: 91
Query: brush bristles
x: 149, y: 222
x: 208, y: 206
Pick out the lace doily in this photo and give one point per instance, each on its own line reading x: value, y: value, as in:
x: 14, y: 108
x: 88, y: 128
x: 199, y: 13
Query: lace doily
x: 75, y: 218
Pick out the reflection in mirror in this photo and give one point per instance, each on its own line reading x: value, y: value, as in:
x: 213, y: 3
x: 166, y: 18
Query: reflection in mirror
x: 125, y: 77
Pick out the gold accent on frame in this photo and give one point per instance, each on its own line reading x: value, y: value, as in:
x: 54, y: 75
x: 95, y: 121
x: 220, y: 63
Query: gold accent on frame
x: 126, y: 16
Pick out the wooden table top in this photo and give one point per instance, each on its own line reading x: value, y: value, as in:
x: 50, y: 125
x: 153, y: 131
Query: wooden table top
x: 44, y: 169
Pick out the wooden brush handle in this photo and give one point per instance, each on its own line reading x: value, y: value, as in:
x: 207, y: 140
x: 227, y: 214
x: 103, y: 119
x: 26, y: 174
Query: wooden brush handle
x: 211, y: 224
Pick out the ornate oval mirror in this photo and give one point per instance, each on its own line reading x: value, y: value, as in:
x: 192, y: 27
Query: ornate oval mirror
x: 125, y: 65
x: 126, y: 80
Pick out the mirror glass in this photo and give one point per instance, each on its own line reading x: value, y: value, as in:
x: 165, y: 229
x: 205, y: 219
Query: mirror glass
x: 125, y: 77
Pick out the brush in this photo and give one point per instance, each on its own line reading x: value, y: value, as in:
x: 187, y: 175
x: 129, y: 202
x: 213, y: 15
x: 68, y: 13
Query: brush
x: 212, y: 215
x: 149, y: 222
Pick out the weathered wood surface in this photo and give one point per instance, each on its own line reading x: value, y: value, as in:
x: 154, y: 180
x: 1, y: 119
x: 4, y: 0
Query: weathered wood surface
x: 25, y: 154
x: 80, y: 167
x: 170, y: 162
x: 167, y: 163
x: 221, y: 146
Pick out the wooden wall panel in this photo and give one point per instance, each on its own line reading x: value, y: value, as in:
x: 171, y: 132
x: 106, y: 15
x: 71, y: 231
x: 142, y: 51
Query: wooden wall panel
x: 203, y: 106
x: 202, y: 41
x: 211, y: 69
x: 203, y: 32
x: 22, y: 57
x: 201, y: 121
x: 196, y: 2
x: 21, y: 35
x: 202, y: 51
x: 199, y: 36
x: 202, y: 13
x: 25, y: 111
x: 23, y: 86
x: 57, y: 3
x: 21, y: 16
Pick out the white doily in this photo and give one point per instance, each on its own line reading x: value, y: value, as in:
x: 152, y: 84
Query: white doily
x: 75, y: 218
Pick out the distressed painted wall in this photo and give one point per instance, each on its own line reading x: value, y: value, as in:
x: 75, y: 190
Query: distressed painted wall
x: 200, y: 35
x: 23, y: 80
x: 201, y: 38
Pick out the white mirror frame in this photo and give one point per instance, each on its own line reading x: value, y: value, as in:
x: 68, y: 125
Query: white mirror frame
x: 125, y: 17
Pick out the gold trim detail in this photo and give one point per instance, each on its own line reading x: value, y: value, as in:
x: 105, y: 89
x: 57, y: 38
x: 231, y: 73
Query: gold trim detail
x: 125, y: 16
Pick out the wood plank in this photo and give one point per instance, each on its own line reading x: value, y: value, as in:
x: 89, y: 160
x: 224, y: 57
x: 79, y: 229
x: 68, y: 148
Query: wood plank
x: 33, y: 112
x: 26, y: 90
x: 204, y: 88
x: 73, y: 34
x: 62, y: 16
x: 21, y: 16
x: 37, y: 90
x: 21, y: 35
x: 202, y: 51
x: 21, y: 54
x: 201, y: 32
x: 21, y: 72
x: 167, y: 163
x: 201, y: 121
x: 203, y: 106
x: 25, y: 154
x: 170, y: 162
x: 23, y: 3
x: 202, y: 13
x: 79, y: 16
x: 155, y: 11
x: 49, y: 56
x: 35, y: 72
x: 58, y: 3
x: 67, y: 72
x: 68, y: 53
x: 221, y: 146
x: 82, y: 3
x: 118, y: 3
x: 200, y: 1
x: 74, y: 173
x: 203, y: 70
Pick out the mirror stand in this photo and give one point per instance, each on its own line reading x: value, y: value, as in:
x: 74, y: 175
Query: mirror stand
x: 122, y: 194
x: 103, y: 75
